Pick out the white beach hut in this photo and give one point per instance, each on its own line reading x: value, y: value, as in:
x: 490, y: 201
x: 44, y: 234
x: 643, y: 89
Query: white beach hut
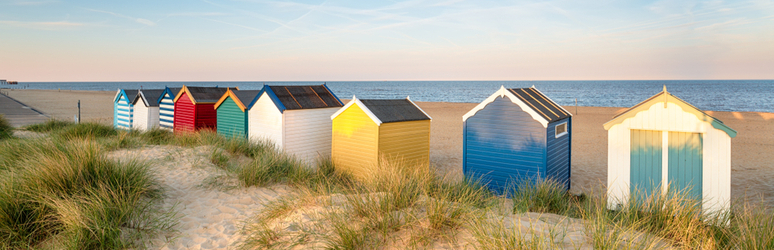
x: 146, y: 109
x: 664, y: 142
x: 295, y: 118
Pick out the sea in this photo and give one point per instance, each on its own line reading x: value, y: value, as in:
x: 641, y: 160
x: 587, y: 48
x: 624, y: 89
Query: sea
x: 715, y: 95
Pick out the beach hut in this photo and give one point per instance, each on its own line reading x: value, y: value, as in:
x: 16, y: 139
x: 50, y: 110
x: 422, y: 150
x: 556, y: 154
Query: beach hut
x: 516, y: 135
x: 666, y: 143
x: 232, y: 112
x: 367, y: 133
x: 145, y: 115
x: 167, y: 108
x: 295, y: 118
x: 122, y: 108
x: 195, y: 108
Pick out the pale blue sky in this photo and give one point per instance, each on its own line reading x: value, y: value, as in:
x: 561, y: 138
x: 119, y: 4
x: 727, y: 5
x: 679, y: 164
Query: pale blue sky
x: 217, y: 40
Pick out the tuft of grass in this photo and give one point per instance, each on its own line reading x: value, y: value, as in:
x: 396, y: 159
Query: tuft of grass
x: 87, y: 130
x: 51, y: 125
x: 542, y: 196
x: 6, y: 130
x: 157, y: 136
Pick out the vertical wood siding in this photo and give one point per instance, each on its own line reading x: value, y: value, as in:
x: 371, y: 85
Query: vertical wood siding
x: 355, y: 141
x: 185, y: 114
x: 140, y: 116
x: 265, y: 121
x: 646, y: 162
x: 558, y: 153
x: 406, y: 143
x: 685, y: 163
x: 167, y: 112
x: 124, y: 110
x: 716, y: 153
x: 232, y: 122
x: 308, y: 133
x: 503, y: 146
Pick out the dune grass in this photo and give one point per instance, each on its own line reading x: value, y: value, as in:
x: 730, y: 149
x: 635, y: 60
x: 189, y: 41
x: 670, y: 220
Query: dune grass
x: 6, y: 130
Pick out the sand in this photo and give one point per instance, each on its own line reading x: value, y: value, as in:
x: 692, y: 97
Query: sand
x: 751, y: 169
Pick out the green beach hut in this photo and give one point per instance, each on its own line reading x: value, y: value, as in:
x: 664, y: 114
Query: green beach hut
x: 232, y: 112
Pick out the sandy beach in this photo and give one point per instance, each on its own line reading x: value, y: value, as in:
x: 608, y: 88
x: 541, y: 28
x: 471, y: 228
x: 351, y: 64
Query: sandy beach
x: 751, y: 173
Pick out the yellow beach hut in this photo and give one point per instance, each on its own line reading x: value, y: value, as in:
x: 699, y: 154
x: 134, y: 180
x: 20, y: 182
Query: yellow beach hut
x: 365, y: 132
x: 666, y: 143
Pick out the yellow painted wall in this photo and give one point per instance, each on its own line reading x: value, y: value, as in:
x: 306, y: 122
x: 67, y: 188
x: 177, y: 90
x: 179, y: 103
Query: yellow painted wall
x: 354, y: 141
x: 405, y: 142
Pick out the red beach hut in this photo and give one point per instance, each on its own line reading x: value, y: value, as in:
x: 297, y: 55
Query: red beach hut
x: 195, y: 108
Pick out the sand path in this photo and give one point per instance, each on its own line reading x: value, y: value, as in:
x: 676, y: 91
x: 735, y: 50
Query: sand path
x: 209, y: 217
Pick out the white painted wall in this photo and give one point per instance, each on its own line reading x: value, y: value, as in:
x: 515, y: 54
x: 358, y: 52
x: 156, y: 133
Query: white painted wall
x: 716, y: 176
x: 265, y: 121
x: 140, y: 121
x: 308, y: 133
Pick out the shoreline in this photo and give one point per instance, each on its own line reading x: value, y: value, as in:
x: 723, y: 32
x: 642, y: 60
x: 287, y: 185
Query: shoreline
x: 751, y: 171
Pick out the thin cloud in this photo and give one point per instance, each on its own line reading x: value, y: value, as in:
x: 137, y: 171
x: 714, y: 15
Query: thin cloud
x: 137, y: 20
x: 42, y: 25
x: 32, y: 3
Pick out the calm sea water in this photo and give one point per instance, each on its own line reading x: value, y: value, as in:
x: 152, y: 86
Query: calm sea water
x: 717, y: 95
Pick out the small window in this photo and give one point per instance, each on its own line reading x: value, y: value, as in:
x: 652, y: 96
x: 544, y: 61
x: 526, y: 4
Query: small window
x: 561, y: 130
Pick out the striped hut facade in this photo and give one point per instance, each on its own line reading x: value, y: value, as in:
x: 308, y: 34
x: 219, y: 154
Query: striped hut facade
x: 167, y: 108
x: 123, y: 109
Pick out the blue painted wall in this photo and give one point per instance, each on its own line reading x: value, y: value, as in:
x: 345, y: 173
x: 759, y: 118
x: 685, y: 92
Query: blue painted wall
x: 558, y: 152
x: 503, y: 145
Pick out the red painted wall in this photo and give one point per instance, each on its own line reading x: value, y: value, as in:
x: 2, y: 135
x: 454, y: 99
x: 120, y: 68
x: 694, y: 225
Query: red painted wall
x: 190, y: 117
x: 185, y: 114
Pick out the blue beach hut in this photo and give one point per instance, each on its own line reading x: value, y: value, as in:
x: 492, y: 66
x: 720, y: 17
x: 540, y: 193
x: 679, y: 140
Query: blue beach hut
x: 122, y: 108
x: 516, y: 135
x: 167, y: 108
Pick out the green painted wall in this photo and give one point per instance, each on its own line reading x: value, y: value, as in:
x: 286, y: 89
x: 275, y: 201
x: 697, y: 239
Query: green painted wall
x: 646, y: 157
x: 685, y: 163
x: 232, y: 122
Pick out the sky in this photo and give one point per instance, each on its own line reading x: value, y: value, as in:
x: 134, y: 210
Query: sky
x: 253, y: 40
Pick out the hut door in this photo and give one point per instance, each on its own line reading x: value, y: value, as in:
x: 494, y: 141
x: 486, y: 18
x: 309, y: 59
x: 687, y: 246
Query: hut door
x: 685, y: 163
x: 646, y: 157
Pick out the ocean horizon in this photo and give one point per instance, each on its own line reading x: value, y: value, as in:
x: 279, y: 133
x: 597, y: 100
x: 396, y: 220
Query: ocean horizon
x: 714, y: 95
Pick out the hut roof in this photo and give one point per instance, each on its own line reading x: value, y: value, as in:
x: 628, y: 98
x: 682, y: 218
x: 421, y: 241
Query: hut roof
x: 300, y: 97
x: 150, y: 97
x: 667, y: 97
x: 388, y: 110
x: 240, y: 97
x: 546, y: 107
x: 130, y: 94
x: 541, y: 108
x: 172, y: 92
x: 202, y: 94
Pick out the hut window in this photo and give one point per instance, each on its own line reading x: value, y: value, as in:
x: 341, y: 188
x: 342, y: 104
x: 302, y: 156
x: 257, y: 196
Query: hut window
x: 561, y: 130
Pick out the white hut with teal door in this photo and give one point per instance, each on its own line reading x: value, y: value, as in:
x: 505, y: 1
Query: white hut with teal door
x: 665, y: 142
x: 123, y: 109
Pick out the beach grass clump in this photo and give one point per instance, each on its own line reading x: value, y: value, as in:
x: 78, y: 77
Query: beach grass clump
x: 6, y: 130
x: 49, y: 126
x: 87, y: 130
x: 542, y: 196
x: 157, y: 136
x: 67, y: 193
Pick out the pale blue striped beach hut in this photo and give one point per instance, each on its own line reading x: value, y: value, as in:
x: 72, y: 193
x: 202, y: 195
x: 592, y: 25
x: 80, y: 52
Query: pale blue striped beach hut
x: 122, y: 108
x: 167, y: 108
x: 517, y: 135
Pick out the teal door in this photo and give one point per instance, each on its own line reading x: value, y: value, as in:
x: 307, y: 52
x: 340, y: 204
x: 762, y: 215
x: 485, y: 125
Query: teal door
x: 685, y: 163
x: 646, y: 155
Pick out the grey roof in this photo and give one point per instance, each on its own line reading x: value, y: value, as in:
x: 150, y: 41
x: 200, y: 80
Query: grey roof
x: 394, y: 110
x: 150, y: 97
x: 547, y: 108
x: 175, y: 91
x: 206, y: 94
x: 246, y: 96
x: 305, y: 97
x: 130, y: 93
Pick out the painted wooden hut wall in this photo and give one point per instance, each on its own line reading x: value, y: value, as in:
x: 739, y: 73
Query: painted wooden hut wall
x: 206, y: 116
x: 167, y: 110
x: 308, y: 133
x: 145, y: 118
x: 185, y: 114
x: 406, y: 142
x: 265, y: 121
x: 122, y: 111
x: 503, y: 139
x: 232, y: 121
x: 558, y: 152
x: 716, y: 153
x: 355, y: 141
